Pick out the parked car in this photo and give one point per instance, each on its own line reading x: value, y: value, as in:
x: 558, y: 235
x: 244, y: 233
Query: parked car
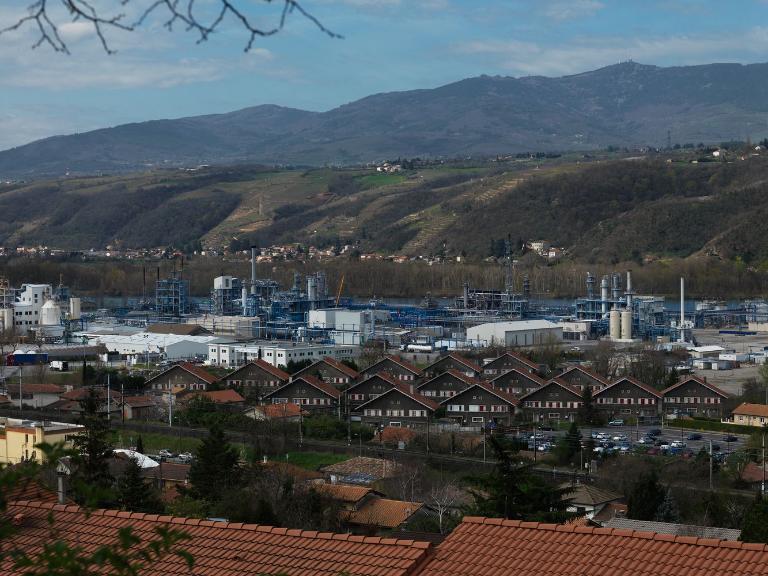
x: 185, y: 457
x: 715, y: 447
x: 678, y: 444
x: 618, y: 422
x: 165, y: 453
x: 694, y: 436
x: 730, y: 438
x: 654, y: 432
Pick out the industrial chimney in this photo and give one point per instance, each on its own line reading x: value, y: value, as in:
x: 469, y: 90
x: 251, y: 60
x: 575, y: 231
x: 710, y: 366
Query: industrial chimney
x: 253, y: 269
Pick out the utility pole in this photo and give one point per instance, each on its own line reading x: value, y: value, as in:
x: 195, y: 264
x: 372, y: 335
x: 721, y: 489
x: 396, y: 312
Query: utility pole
x: 710, y: 464
x: 109, y: 403
x: 21, y: 395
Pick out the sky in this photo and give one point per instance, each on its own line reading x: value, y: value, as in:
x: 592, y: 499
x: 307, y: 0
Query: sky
x: 387, y: 45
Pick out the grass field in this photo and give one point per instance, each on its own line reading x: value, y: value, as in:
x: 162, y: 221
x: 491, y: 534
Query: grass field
x: 315, y: 460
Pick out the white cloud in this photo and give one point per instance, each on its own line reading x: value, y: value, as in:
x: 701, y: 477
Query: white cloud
x: 572, y: 9
x: 531, y: 58
x: 74, y: 31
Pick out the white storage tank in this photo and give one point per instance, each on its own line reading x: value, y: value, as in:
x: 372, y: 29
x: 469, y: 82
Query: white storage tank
x: 50, y: 314
x: 74, y: 308
x: 626, y: 324
x: 614, y: 324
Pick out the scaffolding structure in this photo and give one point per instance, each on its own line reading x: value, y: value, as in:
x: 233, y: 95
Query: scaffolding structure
x: 172, y: 296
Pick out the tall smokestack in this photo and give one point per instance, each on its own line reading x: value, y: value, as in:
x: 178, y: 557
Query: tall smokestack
x: 682, y: 308
x: 253, y: 269
x: 629, y: 292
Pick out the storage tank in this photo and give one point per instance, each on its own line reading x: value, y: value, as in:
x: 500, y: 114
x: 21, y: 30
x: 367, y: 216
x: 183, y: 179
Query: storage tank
x: 605, y: 293
x: 615, y: 324
x: 74, y: 308
x: 50, y: 314
x: 626, y: 324
x: 6, y: 318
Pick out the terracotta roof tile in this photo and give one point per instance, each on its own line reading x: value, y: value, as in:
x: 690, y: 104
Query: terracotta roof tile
x: 485, y: 546
x: 343, y: 492
x: 399, y: 361
x: 227, y: 396
x: 633, y: 381
x: 220, y: 548
x: 30, y: 388
x: 519, y: 357
x: 406, y: 390
x: 340, y: 366
x: 747, y: 409
x: 383, y: 512
x: 585, y: 371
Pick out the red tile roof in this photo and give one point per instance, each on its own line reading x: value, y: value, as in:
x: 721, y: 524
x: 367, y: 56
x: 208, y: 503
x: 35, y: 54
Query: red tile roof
x: 704, y: 383
x: 468, y: 380
x: 747, y: 409
x: 651, y: 390
x: 282, y: 410
x: 13, y: 390
x: 492, y: 546
x: 264, y: 365
x: 139, y: 401
x: 78, y: 394
x: 221, y: 548
x: 343, y: 492
x: 227, y: 396
x: 460, y: 359
x: 383, y: 513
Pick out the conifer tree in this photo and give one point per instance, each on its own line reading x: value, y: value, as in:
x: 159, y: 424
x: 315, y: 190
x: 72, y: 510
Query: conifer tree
x: 215, y: 467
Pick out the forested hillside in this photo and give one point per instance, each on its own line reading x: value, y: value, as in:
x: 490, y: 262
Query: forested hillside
x: 601, y: 211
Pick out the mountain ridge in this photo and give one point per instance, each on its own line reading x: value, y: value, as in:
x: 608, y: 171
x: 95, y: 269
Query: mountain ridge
x: 625, y: 104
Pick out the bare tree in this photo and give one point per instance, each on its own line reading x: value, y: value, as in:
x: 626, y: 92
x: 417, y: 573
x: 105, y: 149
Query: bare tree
x: 46, y: 17
x: 443, y: 498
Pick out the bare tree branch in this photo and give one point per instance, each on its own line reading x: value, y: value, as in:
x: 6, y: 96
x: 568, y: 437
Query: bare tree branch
x: 40, y: 16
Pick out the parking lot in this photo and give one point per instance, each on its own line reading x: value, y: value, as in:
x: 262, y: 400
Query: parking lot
x: 631, y: 438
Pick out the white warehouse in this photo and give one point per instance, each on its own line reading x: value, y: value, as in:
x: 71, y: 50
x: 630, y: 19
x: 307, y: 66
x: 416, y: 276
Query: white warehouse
x: 519, y: 333
x: 170, y: 346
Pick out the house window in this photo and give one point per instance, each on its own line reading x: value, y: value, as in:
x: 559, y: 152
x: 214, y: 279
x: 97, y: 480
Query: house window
x: 455, y: 408
x: 395, y: 424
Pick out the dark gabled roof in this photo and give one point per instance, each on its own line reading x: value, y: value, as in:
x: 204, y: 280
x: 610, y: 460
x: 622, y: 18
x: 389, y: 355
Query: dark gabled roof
x: 193, y: 369
x: 406, y: 391
x: 633, y: 381
x: 382, y: 375
x: 266, y: 366
x: 396, y: 360
x: 529, y: 375
x: 556, y: 382
x: 312, y: 381
x: 488, y: 388
x: 468, y: 380
x: 516, y: 356
x: 589, y: 494
x: 340, y: 366
x: 458, y: 358
x: 586, y: 371
x: 698, y: 380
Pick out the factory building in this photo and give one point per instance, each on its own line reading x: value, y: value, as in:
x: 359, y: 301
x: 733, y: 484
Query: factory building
x: 519, y: 333
x: 167, y: 346
x: 344, y: 326
x: 36, y: 308
x: 276, y: 353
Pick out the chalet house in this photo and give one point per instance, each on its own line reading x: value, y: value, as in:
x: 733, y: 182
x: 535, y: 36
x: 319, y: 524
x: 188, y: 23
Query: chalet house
x: 748, y: 414
x: 479, y: 405
x: 445, y: 385
x: 331, y: 371
x: 309, y: 392
x: 256, y: 378
x: 393, y: 366
x: 184, y: 376
x: 556, y: 400
x: 35, y: 395
x: 509, y: 361
x: 399, y: 406
x: 580, y: 378
x: 453, y: 362
x: 628, y: 397
x: 517, y: 382
x: 370, y: 388
x: 694, y: 397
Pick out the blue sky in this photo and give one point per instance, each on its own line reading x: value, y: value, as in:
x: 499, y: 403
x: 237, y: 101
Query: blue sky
x: 388, y: 45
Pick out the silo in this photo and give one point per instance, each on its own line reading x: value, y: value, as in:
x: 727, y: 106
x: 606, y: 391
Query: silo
x: 6, y: 318
x: 74, y: 309
x: 605, y: 293
x: 626, y: 324
x: 50, y: 314
x: 615, y: 324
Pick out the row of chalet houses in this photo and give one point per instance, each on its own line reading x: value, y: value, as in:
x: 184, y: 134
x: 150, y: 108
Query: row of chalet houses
x: 393, y: 392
